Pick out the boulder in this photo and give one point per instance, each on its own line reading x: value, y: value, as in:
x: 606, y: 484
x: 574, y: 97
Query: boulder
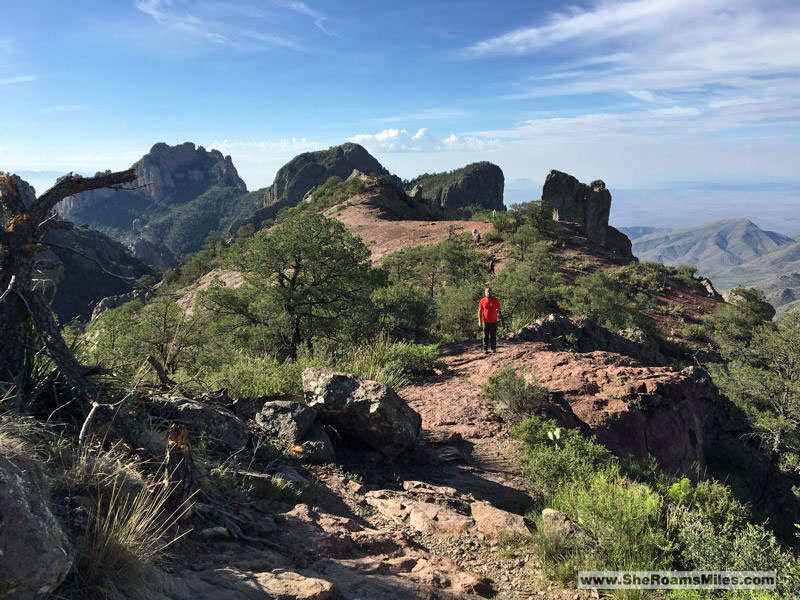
x: 366, y: 410
x: 584, y: 335
x: 619, y: 244
x: 224, y: 430
x: 490, y: 521
x: 556, y: 521
x: 711, y: 292
x: 35, y: 554
x: 424, y: 515
x: 317, y: 447
x: 479, y: 184
x: 286, y: 419
x: 116, y: 301
x: 153, y: 253
x: 577, y: 202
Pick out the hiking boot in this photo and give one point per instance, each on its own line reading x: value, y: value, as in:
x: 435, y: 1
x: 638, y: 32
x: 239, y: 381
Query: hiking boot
x: 494, y: 350
x: 486, y: 352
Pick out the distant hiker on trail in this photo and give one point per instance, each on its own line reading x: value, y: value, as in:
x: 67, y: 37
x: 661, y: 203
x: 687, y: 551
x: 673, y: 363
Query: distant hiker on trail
x: 488, y: 311
x: 474, y: 233
x: 494, y: 214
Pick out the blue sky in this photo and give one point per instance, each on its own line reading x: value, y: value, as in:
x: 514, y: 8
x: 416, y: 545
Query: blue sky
x: 635, y: 92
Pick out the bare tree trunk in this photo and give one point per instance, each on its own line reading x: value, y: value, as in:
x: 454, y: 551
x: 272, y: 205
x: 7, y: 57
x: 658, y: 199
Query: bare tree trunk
x: 179, y: 466
x: 24, y: 223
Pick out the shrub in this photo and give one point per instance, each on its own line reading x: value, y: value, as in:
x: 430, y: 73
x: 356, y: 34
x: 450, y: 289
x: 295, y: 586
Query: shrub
x: 622, y: 517
x: 548, y: 464
x: 415, y: 360
x: 605, y: 301
x: 250, y: 376
x: 648, y: 276
x: 403, y: 313
x: 457, y: 309
x: 393, y: 364
x: 511, y: 391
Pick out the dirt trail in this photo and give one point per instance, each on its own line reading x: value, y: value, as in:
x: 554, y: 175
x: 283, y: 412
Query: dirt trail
x: 353, y: 539
x: 384, y: 236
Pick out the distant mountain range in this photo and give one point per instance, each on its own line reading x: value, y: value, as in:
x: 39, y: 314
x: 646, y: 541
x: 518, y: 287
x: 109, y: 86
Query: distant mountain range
x: 183, y: 193
x: 730, y: 252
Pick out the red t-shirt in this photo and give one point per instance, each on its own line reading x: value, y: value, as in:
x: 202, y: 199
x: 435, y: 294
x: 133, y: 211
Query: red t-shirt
x: 489, y: 308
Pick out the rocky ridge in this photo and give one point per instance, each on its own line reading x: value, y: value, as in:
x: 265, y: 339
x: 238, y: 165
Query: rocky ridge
x: 479, y: 184
x: 306, y: 171
x: 182, y: 192
x: 587, y: 205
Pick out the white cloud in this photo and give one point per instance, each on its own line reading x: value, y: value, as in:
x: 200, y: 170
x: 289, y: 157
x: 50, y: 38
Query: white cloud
x: 428, y: 114
x: 660, y: 51
x: 248, y: 25
x: 282, y: 147
x: 643, y: 95
x: 738, y: 101
x: 62, y: 108
x: 399, y: 140
x: 18, y: 79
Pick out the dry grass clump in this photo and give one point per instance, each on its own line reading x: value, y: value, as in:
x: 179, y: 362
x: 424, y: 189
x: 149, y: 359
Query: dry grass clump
x: 117, y: 554
x: 128, y: 526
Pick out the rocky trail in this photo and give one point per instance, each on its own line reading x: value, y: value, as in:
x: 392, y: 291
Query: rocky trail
x: 425, y: 524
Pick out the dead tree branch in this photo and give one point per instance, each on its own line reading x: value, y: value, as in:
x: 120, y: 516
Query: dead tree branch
x: 72, y: 184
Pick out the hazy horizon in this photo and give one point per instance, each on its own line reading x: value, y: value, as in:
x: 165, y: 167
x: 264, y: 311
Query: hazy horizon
x: 631, y: 91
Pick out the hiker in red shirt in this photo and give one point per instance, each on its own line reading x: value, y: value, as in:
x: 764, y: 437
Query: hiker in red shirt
x: 488, y: 311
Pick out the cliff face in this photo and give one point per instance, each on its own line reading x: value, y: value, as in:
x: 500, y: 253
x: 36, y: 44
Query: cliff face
x: 310, y: 169
x: 479, y: 184
x: 79, y: 283
x: 176, y: 174
x: 171, y: 175
x: 577, y: 202
x: 186, y: 192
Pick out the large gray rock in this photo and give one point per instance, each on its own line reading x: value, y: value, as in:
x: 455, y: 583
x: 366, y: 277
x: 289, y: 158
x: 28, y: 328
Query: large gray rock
x: 577, y: 202
x: 285, y: 419
x: 584, y: 335
x: 118, y: 300
x: 317, y: 447
x: 223, y: 430
x: 35, y: 554
x: 153, y: 253
x: 310, y: 169
x: 478, y: 184
x: 366, y: 410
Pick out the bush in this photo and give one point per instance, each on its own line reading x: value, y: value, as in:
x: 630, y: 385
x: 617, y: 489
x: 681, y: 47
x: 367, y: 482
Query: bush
x: 605, y: 301
x: 393, y: 364
x: 457, y: 309
x: 549, y: 463
x: 530, y: 288
x: 415, y: 360
x: 334, y: 191
x: 403, y: 313
x: 648, y: 276
x: 511, y: 391
x: 250, y: 376
x: 622, y: 517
